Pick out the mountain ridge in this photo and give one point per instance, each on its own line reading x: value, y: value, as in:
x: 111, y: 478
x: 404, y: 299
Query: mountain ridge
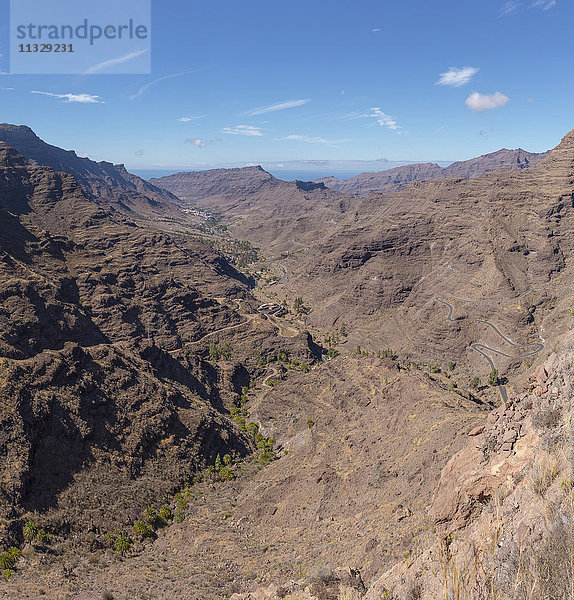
x: 397, y: 178
x: 109, y: 184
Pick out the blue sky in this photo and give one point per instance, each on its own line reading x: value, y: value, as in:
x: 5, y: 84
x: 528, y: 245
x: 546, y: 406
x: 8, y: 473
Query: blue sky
x: 273, y: 82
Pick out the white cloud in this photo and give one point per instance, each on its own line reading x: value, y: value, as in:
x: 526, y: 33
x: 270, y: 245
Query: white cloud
x: 247, y: 130
x: 81, y: 98
x: 306, y: 138
x: 376, y: 113
x: 481, y: 102
x: 198, y: 142
x: 114, y: 61
x: 7, y: 88
x: 375, y: 30
x: 382, y: 118
x: 544, y: 4
x: 279, y: 106
x: 310, y: 139
x: 188, y: 119
x: 510, y: 7
x: 456, y: 77
x: 146, y: 87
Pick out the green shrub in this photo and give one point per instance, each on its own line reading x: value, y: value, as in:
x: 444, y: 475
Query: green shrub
x: 16, y: 553
x: 310, y: 423
x: 123, y: 544
x: 226, y: 473
x: 145, y: 530
x: 42, y: 537
x: 227, y: 460
x: 475, y: 382
x: 214, y: 352
x: 332, y: 353
x: 252, y: 429
x: 493, y: 377
x: 150, y: 516
x: 178, y: 515
x: 218, y: 463
x: 7, y: 561
x: 30, y: 531
x: 180, y: 501
x: 268, y: 454
x: 165, y: 513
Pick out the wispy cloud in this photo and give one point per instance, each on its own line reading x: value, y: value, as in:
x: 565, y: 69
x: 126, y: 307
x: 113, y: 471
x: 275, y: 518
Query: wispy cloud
x: 81, y: 98
x: 247, y: 130
x: 150, y: 84
x: 188, y: 119
x: 376, y: 113
x: 482, y: 102
x: 376, y: 30
x: 382, y: 118
x: 544, y: 4
x: 457, y: 77
x: 512, y: 6
x: 198, y: 142
x: 508, y: 8
x: 279, y: 106
x: 6, y: 88
x: 114, y: 62
x: 311, y: 139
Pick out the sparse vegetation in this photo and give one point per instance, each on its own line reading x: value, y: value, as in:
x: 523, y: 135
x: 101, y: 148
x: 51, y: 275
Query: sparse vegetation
x: 9, y: 558
x: 543, y: 472
x: 142, y: 529
x: 34, y: 534
x: 299, y: 307
x: 123, y: 544
x: 332, y: 353
x: 493, y: 378
x: 220, y: 351
x: 547, y: 418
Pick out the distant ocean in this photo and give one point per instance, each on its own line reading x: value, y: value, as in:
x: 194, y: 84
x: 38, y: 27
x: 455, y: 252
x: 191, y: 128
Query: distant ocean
x: 279, y: 173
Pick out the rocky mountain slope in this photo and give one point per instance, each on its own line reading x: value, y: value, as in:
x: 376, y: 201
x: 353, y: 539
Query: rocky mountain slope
x: 111, y: 185
x: 131, y: 358
x: 503, y: 506
x: 396, y: 179
x: 258, y: 207
x: 497, y: 236
x: 107, y: 399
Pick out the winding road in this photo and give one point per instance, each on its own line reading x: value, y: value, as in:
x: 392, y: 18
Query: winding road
x: 535, y: 347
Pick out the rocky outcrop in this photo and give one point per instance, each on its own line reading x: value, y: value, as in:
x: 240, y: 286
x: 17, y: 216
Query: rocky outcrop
x: 502, y: 508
